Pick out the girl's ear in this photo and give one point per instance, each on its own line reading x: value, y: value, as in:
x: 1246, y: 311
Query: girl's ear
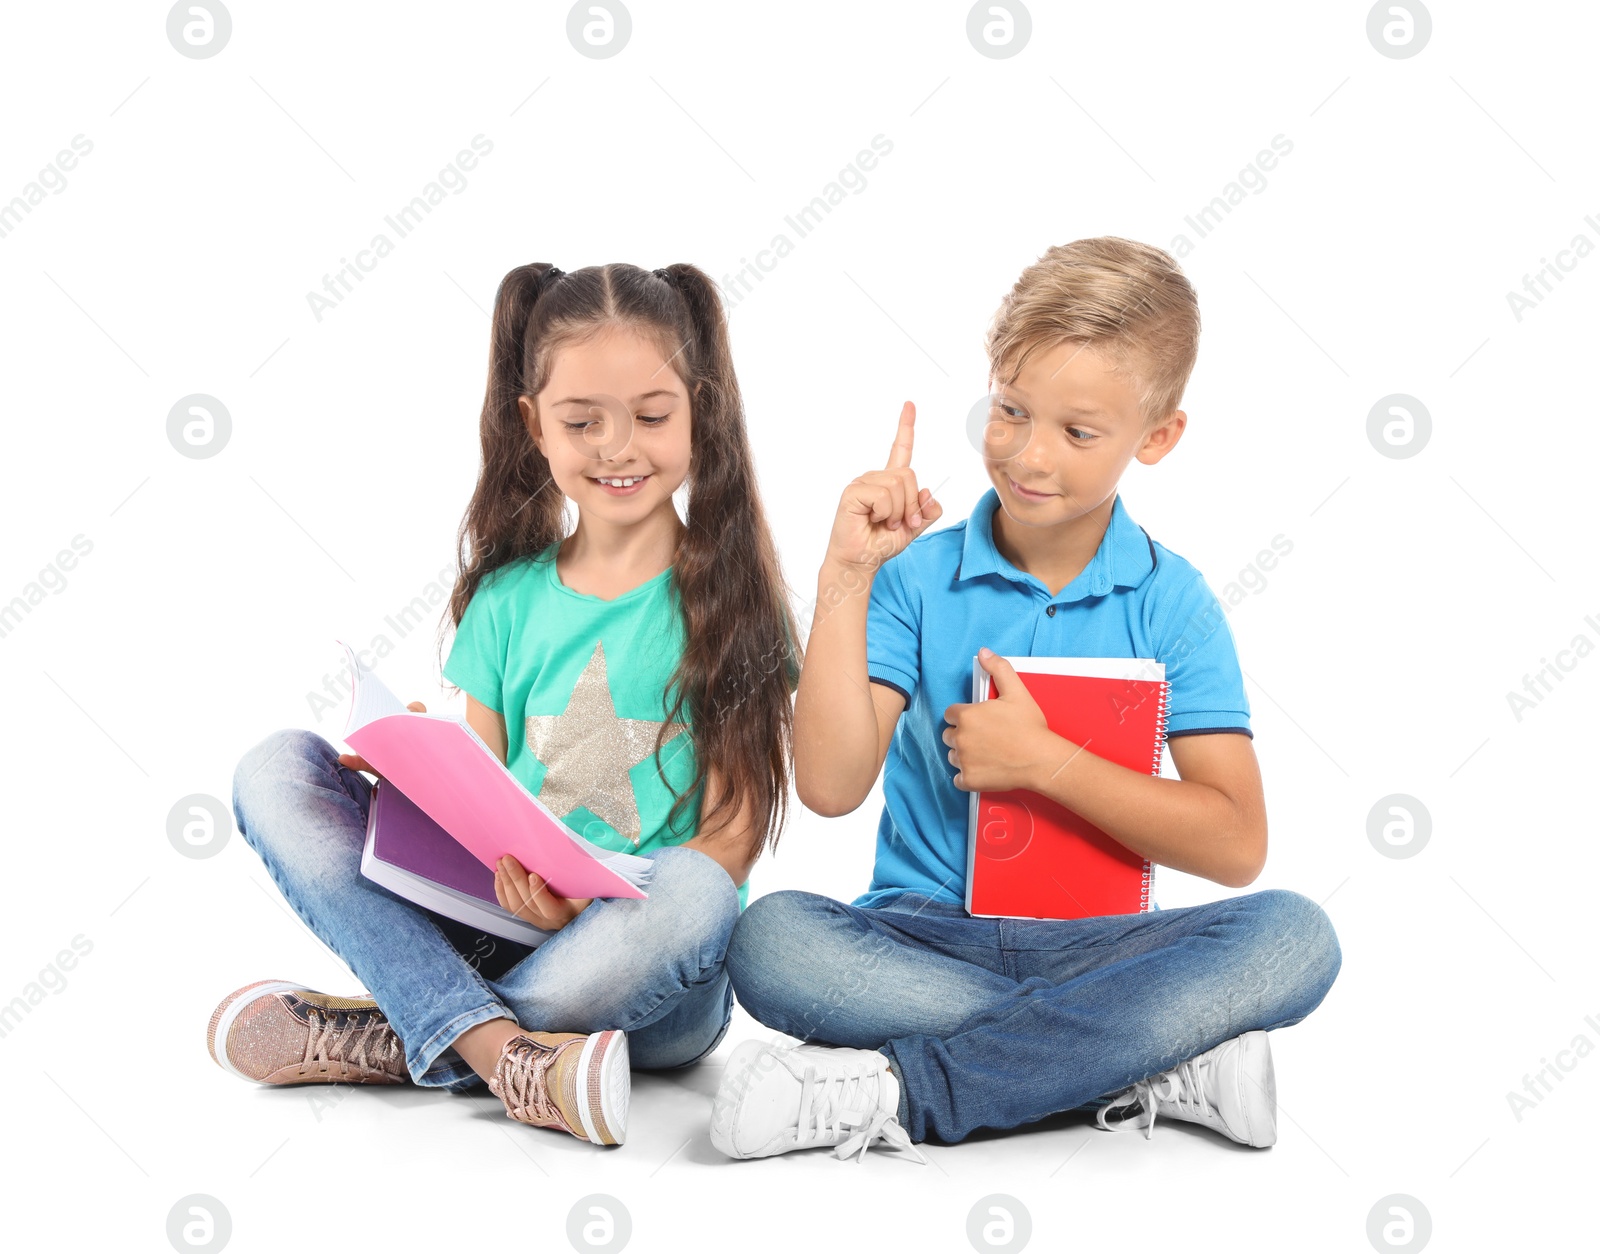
x: 530, y: 419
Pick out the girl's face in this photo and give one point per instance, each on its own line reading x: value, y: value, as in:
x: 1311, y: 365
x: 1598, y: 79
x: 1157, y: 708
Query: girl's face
x: 613, y: 422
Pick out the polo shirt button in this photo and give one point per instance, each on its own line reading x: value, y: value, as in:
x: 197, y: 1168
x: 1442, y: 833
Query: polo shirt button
x: 1050, y: 610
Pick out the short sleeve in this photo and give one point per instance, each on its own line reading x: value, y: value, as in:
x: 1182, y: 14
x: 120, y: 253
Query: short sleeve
x: 1196, y: 644
x: 894, y: 631
x: 477, y: 655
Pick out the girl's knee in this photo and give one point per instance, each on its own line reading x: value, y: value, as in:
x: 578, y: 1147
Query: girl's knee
x: 281, y: 753
x: 694, y: 886
x: 686, y: 919
x: 268, y: 808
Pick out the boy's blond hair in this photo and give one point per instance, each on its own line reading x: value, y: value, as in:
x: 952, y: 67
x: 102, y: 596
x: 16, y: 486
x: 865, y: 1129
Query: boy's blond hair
x: 1127, y: 300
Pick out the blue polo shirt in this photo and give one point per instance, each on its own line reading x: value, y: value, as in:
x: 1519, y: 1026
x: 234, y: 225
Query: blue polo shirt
x: 951, y: 592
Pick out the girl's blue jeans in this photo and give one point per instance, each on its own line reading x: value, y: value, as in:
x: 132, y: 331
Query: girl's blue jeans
x: 652, y: 968
x: 992, y: 1023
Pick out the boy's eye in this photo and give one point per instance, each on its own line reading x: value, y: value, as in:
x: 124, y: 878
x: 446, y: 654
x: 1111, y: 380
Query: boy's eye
x: 1013, y: 413
x: 1078, y: 433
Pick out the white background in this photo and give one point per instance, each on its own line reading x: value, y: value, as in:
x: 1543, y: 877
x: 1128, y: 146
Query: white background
x: 1377, y: 260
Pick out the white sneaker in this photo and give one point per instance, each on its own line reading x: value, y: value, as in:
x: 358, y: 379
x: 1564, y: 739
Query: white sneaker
x: 1230, y: 1089
x: 777, y: 1098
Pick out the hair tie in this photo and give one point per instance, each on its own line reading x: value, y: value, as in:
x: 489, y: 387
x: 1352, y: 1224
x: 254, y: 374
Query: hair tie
x: 554, y: 273
x: 662, y: 274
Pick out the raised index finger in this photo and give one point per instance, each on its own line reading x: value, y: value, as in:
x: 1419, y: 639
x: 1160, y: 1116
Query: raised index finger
x: 900, y: 453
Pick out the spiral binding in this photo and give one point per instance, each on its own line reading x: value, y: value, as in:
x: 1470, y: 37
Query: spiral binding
x: 1163, y: 701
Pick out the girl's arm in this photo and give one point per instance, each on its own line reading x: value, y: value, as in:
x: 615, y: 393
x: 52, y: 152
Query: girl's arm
x: 490, y: 726
x: 735, y: 843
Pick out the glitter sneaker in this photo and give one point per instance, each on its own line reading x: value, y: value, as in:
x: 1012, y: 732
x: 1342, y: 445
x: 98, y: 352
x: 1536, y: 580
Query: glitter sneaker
x: 568, y: 1080
x: 275, y: 1032
x: 1230, y: 1089
x: 777, y: 1098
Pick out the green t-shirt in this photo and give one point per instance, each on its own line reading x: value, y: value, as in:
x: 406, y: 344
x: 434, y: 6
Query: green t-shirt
x: 582, y: 685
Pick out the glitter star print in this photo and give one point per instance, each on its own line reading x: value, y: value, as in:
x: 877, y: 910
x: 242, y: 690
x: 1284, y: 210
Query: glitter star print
x: 588, y: 751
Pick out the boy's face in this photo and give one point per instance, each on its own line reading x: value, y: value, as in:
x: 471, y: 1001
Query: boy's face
x: 1060, y: 436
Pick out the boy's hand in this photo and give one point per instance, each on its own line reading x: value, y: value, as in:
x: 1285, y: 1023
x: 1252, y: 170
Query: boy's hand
x: 999, y: 744
x: 882, y: 511
x: 525, y: 895
x: 358, y: 763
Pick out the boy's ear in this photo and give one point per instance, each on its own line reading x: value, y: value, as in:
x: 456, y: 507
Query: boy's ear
x: 530, y: 419
x: 1163, y: 438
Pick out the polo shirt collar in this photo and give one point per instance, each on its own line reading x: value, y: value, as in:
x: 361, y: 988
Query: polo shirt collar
x: 1125, y: 557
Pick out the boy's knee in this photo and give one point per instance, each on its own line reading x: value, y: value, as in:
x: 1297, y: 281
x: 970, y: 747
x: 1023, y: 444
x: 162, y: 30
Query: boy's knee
x: 758, y: 940
x: 1305, y: 929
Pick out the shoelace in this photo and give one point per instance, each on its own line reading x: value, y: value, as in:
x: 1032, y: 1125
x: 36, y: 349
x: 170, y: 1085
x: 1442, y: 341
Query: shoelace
x: 523, y: 1069
x: 1181, y: 1087
x: 324, y: 1044
x: 828, y: 1106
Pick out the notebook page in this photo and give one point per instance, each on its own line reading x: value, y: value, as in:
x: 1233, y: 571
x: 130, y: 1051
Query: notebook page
x: 370, y: 697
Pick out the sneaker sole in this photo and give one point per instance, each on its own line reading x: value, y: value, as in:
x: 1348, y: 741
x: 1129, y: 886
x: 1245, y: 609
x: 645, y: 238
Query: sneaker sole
x: 223, y: 1016
x: 608, y: 1079
x: 725, y: 1105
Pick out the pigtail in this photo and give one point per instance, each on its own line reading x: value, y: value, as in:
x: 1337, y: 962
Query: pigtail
x: 741, y: 653
x: 516, y: 509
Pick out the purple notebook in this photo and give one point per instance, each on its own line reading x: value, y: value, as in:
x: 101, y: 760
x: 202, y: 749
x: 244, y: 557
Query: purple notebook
x: 409, y: 854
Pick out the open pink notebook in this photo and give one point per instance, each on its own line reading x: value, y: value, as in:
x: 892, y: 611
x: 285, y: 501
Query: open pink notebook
x: 445, y: 769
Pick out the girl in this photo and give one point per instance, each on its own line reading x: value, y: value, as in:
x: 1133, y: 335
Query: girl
x: 636, y: 674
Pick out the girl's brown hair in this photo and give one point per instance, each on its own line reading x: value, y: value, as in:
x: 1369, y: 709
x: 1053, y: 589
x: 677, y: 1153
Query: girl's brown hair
x: 741, y: 655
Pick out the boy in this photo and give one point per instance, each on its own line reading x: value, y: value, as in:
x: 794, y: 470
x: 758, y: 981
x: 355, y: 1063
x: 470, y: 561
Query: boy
x: 920, y: 1021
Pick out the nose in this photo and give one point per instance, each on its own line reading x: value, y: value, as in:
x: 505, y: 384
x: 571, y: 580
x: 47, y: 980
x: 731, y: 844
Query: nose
x: 1031, y: 459
x: 616, y: 426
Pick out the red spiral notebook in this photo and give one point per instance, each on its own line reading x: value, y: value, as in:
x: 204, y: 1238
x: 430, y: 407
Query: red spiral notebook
x: 1027, y: 856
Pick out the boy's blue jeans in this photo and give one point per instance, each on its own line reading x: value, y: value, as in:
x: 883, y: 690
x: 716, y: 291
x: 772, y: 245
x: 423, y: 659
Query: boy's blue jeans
x: 652, y: 968
x: 992, y: 1023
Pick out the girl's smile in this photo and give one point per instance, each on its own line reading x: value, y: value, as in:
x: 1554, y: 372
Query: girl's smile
x: 621, y: 485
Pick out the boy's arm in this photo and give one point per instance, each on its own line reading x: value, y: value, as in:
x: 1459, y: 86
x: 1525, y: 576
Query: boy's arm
x: 1212, y: 822
x: 842, y: 721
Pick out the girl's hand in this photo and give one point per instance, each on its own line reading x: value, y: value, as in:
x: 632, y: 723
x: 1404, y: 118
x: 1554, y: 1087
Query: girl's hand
x: 358, y: 763
x: 525, y: 895
x: 882, y: 511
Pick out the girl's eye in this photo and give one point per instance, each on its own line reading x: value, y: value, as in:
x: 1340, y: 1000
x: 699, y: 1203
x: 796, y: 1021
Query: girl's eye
x: 654, y: 421
x: 575, y: 426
